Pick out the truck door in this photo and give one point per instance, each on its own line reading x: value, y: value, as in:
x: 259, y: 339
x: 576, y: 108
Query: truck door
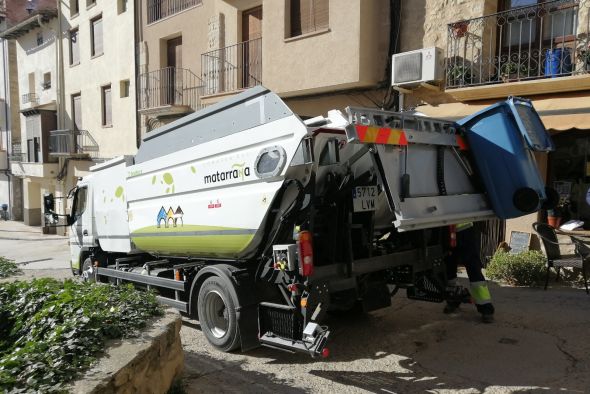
x: 78, y: 232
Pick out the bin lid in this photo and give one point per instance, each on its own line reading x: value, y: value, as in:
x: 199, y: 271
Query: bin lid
x: 526, y: 117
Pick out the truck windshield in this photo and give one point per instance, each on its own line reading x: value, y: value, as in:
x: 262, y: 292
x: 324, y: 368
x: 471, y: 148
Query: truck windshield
x: 80, y: 202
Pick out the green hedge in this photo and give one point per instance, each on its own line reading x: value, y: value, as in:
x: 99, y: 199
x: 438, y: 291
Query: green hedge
x: 8, y: 268
x: 50, y: 330
x: 521, y: 269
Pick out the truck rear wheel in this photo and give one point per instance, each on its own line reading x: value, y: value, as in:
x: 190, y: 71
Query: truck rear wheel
x: 217, y: 314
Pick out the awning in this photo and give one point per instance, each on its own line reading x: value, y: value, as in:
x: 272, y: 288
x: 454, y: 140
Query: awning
x: 563, y: 112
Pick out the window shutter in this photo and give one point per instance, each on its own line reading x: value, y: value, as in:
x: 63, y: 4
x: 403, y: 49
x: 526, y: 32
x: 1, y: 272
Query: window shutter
x: 97, y: 37
x: 77, y: 109
x: 308, y: 16
x: 107, y: 107
x: 74, y: 47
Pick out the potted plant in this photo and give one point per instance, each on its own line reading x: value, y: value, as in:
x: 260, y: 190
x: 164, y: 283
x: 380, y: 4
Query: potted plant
x: 459, y: 28
x: 459, y: 75
x: 555, y: 215
x: 584, y: 57
x: 511, y: 71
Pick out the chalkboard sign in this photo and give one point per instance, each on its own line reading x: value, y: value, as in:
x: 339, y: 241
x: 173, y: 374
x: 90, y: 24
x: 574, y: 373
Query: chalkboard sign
x: 519, y: 241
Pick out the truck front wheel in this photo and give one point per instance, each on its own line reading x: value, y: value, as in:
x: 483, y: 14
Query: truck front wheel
x: 217, y: 314
x: 87, y: 272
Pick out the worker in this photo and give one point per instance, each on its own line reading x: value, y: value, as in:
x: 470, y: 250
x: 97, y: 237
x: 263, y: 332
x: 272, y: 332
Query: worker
x: 466, y: 253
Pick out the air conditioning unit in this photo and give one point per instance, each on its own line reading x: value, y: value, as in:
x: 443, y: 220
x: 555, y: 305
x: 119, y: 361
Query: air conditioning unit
x: 415, y: 67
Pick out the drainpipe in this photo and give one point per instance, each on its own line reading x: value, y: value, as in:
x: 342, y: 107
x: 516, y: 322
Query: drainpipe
x: 59, y: 94
x: 5, y: 65
x: 137, y: 39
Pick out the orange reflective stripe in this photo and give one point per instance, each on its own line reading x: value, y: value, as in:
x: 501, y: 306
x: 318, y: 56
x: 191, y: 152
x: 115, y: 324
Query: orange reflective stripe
x: 361, y: 131
x: 461, y: 143
x: 381, y: 135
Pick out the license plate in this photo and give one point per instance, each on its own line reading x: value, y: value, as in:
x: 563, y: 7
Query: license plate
x: 363, y: 198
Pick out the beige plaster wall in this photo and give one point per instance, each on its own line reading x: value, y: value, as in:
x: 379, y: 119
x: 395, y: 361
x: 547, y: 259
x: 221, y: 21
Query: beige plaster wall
x: 351, y: 53
x: 192, y: 25
x: 117, y: 63
x: 38, y: 60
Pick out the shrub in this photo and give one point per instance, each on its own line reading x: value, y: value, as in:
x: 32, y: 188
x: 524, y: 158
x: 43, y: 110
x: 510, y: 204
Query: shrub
x: 8, y: 268
x: 51, y: 330
x: 521, y: 269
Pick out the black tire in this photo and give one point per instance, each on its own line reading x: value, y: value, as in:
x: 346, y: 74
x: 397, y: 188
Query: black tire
x: 217, y: 314
x: 87, y: 271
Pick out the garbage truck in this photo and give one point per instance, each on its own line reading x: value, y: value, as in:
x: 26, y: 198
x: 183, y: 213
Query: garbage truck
x: 257, y: 222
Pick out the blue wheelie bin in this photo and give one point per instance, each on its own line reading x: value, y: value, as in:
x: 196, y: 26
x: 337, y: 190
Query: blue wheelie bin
x: 502, y: 139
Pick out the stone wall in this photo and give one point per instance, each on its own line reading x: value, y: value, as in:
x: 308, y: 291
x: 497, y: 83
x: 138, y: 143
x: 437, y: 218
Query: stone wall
x: 424, y: 24
x: 148, y: 364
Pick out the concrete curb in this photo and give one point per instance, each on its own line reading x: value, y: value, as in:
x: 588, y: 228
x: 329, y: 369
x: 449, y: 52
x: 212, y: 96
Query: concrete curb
x: 148, y: 364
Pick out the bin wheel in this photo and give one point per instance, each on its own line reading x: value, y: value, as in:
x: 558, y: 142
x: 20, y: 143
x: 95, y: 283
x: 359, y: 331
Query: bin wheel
x: 217, y: 314
x: 526, y: 200
x: 87, y: 272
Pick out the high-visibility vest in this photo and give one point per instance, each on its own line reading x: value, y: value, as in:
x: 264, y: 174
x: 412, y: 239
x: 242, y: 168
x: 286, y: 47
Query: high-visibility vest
x: 463, y: 226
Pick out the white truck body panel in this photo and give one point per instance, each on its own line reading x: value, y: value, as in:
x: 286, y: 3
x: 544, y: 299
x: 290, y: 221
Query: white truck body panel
x: 109, y: 193
x: 208, y: 198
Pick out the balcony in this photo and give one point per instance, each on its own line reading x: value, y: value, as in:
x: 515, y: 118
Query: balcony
x: 72, y: 143
x: 30, y: 98
x: 160, y: 9
x: 232, y: 68
x: 169, y: 91
x: 542, y: 48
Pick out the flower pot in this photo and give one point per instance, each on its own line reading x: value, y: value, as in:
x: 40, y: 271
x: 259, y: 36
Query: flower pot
x: 459, y: 29
x: 558, y: 62
x: 554, y: 221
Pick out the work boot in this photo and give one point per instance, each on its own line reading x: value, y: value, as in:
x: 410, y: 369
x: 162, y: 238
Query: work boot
x: 455, y: 295
x: 487, y: 312
x: 451, y: 307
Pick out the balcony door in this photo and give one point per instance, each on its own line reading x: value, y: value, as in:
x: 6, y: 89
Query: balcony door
x: 171, y: 78
x: 250, y: 53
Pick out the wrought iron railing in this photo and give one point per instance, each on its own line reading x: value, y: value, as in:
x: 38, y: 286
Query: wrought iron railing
x: 31, y: 98
x: 539, y: 41
x: 16, y: 154
x: 232, y: 68
x: 72, y: 143
x: 160, y: 9
x: 170, y: 86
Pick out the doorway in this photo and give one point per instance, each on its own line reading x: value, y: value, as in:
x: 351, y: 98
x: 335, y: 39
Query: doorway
x: 251, y: 50
x: 171, y: 78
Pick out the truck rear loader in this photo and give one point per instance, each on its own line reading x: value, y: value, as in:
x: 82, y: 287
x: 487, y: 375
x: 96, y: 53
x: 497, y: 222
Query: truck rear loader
x: 257, y: 223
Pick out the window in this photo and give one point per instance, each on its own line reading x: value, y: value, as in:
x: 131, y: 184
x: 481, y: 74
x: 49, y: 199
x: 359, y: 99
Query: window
x: 90, y: 3
x: 96, y: 36
x: 77, y: 111
x: 74, y: 7
x: 39, y: 38
x: 33, y: 150
x: 74, y: 47
x: 308, y: 16
x: 121, y: 6
x: 46, y: 81
x: 124, y: 88
x: 80, y: 202
x: 270, y: 162
x: 107, y: 113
